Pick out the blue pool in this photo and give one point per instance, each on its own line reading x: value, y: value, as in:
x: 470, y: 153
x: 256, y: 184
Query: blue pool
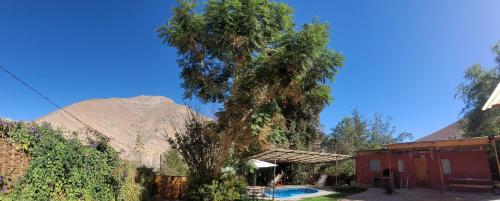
x: 289, y: 192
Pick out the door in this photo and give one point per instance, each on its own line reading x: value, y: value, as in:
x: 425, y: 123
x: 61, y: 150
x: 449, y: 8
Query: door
x: 421, y: 173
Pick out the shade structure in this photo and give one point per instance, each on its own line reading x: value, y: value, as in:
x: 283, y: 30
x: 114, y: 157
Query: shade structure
x: 494, y: 100
x: 261, y: 164
x: 295, y: 156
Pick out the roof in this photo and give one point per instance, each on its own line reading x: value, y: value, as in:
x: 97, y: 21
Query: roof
x: 449, y: 132
x: 295, y: 156
x: 477, y: 141
x: 494, y: 100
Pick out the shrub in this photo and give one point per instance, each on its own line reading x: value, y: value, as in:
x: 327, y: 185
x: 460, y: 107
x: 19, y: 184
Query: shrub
x: 172, y: 164
x: 63, y: 169
x: 227, y: 188
x: 130, y: 190
x: 199, y: 147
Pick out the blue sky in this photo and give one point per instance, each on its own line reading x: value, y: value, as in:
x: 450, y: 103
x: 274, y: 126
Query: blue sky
x: 403, y: 58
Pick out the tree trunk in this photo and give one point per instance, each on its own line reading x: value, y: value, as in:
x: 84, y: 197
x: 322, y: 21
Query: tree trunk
x: 227, y: 142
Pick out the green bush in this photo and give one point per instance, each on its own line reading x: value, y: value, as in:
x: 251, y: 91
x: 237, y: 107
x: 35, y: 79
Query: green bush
x: 130, y: 190
x: 63, y: 169
x: 227, y: 188
x: 172, y: 164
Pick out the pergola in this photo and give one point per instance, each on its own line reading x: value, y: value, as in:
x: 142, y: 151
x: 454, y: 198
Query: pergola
x: 295, y: 156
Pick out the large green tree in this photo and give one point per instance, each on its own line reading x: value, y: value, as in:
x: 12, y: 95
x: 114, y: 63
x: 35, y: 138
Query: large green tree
x: 249, y: 56
x: 354, y: 133
x: 474, y: 91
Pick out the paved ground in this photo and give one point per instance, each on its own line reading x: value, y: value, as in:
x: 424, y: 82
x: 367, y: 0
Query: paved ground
x: 378, y: 194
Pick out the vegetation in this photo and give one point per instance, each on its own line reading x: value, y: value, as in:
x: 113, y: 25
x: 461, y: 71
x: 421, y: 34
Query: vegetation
x: 249, y: 57
x: 131, y: 190
x: 356, y: 133
x: 139, y: 147
x: 63, y: 169
x: 199, y: 147
x: 474, y: 91
x: 172, y: 164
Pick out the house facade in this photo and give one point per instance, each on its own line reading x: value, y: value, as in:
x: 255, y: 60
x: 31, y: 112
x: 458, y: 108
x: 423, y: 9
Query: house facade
x: 427, y: 164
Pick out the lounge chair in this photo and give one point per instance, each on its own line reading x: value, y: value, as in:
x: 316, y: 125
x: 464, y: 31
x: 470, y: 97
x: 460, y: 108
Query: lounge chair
x: 277, y: 180
x: 321, y: 182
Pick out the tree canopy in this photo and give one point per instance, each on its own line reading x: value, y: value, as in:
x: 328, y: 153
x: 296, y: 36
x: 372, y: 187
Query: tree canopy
x: 356, y: 133
x: 474, y: 91
x: 249, y: 56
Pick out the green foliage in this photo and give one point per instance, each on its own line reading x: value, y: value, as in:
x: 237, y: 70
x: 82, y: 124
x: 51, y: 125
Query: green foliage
x: 344, y: 167
x: 19, y: 135
x: 130, y: 190
x: 172, y: 164
x: 144, y: 177
x: 62, y: 169
x: 248, y: 56
x: 199, y: 149
x: 355, y: 133
x: 227, y: 188
x: 474, y: 91
x: 139, y: 147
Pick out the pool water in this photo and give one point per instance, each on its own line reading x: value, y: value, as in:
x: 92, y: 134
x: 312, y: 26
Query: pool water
x: 289, y: 192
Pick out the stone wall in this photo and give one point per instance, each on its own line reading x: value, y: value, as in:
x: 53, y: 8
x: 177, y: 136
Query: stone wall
x: 12, y: 163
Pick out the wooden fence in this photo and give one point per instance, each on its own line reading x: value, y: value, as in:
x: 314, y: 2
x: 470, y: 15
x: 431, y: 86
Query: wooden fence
x: 169, y: 187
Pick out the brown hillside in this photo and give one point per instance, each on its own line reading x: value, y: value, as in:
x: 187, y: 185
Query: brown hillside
x: 122, y: 119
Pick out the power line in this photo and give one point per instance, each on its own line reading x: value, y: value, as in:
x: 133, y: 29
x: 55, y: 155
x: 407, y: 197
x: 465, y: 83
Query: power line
x: 44, y: 97
x: 53, y: 102
x: 62, y: 109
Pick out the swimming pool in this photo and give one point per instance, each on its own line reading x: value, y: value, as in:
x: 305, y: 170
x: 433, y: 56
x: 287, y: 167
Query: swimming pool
x: 289, y: 192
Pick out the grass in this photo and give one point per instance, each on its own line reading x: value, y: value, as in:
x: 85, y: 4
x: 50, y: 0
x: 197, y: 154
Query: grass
x: 335, y: 196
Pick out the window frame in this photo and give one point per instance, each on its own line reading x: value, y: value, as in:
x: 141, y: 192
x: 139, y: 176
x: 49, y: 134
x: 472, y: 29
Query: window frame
x: 371, y: 168
x: 446, y: 166
x: 401, y: 165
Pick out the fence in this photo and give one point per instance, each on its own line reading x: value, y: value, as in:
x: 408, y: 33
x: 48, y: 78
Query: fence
x: 169, y: 187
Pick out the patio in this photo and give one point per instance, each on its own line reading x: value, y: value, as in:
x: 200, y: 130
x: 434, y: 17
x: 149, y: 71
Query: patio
x: 295, y: 156
x: 418, y: 194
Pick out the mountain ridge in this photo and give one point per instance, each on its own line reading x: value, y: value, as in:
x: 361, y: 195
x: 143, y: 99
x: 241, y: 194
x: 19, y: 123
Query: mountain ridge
x: 154, y: 118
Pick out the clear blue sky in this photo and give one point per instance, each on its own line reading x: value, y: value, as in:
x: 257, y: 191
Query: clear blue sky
x: 403, y: 58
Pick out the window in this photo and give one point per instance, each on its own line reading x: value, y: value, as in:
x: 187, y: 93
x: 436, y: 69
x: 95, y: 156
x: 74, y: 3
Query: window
x: 401, y: 165
x: 446, y: 166
x: 375, y: 165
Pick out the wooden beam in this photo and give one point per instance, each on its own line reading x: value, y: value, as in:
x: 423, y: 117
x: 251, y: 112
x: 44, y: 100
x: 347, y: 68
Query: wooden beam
x: 440, y: 169
x: 295, y: 156
x: 496, y: 156
x: 441, y: 143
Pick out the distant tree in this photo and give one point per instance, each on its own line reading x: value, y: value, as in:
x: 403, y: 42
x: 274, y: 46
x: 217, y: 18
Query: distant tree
x: 355, y: 133
x: 139, y: 147
x: 348, y: 136
x: 474, y: 91
x: 248, y: 56
x: 172, y: 164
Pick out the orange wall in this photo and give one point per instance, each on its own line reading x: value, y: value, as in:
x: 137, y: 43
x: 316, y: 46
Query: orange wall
x: 466, y: 164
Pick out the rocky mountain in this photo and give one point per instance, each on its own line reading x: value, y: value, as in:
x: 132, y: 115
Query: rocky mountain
x: 153, y: 118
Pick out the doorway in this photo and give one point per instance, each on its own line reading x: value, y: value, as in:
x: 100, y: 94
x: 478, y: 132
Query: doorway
x: 421, y: 172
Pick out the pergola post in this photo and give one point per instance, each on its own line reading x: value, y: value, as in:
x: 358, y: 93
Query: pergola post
x: 336, y: 174
x: 440, y: 168
x: 274, y: 173
x: 496, y: 154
